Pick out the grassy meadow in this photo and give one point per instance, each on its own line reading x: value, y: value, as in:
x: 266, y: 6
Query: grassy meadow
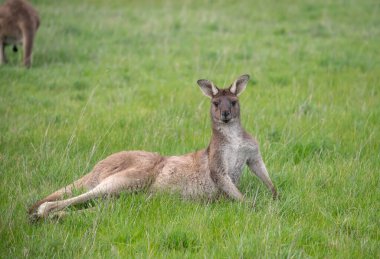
x: 121, y: 75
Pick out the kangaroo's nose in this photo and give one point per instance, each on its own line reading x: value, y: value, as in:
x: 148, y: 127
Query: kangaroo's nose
x: 225, y: 113
x: 226, y: 116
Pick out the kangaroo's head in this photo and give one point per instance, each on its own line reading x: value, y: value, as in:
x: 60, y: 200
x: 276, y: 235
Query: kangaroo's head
x: 224, y: 102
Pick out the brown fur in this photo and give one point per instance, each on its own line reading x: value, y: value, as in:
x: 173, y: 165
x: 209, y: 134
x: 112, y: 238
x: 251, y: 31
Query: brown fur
x: 203, y: 174
x: 19, y: 22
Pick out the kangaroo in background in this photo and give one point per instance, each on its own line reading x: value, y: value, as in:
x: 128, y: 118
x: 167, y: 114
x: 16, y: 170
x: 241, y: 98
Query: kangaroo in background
x: 206, y: 173
x: 19, y: 22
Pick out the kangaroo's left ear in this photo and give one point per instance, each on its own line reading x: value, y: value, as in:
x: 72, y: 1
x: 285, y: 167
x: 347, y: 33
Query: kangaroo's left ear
x: 239, y: 85
x: 208, y: 88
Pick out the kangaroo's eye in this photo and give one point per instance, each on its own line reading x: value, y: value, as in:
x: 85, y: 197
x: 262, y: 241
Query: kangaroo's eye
x: 233, y: 103
x: 216, y: 104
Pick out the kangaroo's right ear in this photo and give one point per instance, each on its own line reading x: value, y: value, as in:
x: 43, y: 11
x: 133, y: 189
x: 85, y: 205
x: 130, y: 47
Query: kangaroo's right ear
x: 208, y: 88
x: 239, y: 85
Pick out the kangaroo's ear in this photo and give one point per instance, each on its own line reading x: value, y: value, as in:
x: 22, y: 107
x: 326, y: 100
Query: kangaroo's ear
x: 239, y: 85
x: 208, y: 88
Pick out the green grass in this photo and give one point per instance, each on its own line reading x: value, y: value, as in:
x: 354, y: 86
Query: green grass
x: 121, y: 75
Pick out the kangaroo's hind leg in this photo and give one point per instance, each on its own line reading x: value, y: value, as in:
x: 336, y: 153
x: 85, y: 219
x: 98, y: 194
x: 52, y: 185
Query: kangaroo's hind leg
x: 114, y: 184
x: 28, y: 38
x: 83, y: 183
x: 3, y: 58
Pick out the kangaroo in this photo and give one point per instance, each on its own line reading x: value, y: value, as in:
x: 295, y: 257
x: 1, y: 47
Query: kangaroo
x: 206, y: 173
x: 19, y: 22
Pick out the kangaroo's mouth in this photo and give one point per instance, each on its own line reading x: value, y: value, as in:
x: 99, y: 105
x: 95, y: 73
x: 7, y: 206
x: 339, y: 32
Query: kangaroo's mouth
x: 226, y: 120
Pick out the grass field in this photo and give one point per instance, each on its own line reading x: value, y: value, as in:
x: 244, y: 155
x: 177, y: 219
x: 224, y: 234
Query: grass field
x: 121, y: 75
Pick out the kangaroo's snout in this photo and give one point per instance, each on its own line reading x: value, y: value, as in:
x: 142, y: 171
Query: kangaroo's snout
x: 226, y: 116
x: 226, y: 113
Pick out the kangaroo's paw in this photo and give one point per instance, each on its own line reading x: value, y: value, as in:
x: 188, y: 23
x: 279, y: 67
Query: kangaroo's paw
x: 39, y: 213
x: 33, y: 218
x: 44, y: 209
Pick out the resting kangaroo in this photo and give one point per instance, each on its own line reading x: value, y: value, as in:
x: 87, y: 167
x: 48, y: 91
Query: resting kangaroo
x: 19, y: 22
x: 206, y: 173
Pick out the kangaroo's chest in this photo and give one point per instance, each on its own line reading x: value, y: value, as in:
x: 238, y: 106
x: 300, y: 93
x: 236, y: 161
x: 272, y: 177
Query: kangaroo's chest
x: 235, y: 156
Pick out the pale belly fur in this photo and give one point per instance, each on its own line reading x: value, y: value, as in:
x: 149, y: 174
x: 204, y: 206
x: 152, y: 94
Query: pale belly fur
x: 188, y: 175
